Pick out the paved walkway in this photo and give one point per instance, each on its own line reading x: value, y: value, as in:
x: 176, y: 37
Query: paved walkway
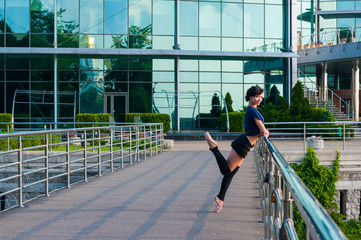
x: 169, y: 196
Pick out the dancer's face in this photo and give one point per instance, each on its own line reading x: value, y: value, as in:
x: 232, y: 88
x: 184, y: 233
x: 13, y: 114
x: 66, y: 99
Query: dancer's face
x: 256, y: 100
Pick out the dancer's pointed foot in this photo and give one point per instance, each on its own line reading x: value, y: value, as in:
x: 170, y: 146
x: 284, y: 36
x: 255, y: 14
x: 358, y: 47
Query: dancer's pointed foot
x: 211, y: 143
x: 219, y: 204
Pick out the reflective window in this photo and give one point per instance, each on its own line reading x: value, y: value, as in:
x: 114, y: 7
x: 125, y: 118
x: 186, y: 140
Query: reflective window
x: 253, y: 44
x: 2, y: 17
x: 253, y: 21
x: 163, y: 17
x: 17, y: 40
x: 214, y: 77
x: 274, y: 21
x: 42, y: 16
x: 188, y: 18
x: 116, y: 63
x: 68, y: 40
x: 91, y: 16
x: 162, y: 42
x: 232, y: 66
x: 232, y: 78
x: 116, y: 76
x: 115, y: 41
x: 209, y: 19
x: 209, y: 44
x: 188, y: 65
x: 210, y: 65
x: 163, y: 64
x: 115, y: 17
x: 68, y: 16
x: 232, y: 44
x: 346, y: 5
x: 188, y: 77
x: 42, y: 40
x: 91, y: 94
x: 91, y: 41
x: 91, y: 63
x: 17, y: 16
x: 254, y: 78
x: 163, y: 77
x: 188, y: 43
x: 232, y: 20
x: 140, y: 97
x: 236, y: 92
x: 140, y: 13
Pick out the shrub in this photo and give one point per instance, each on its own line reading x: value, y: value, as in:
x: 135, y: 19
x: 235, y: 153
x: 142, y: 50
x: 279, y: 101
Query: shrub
x: 236, y: 121
x: 151, y: 118
x: 93, y: 117
x: 5, y: 117
x: 320, y: 114
x: 28, y: 141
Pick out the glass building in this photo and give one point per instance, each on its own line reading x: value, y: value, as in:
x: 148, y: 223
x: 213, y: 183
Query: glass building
x: 335, y: 24
x: 63, y: 57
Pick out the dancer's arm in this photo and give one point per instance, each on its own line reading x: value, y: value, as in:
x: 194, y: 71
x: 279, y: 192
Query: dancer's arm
x: 263, y: 130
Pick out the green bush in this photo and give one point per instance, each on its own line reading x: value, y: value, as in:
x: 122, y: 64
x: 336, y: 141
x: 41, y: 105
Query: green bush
x: 320, y: 114
x: 93, y: 117
x: 151, y: 118
x: 28, y: 141
x: 236, y: 122
x: 5, y: 117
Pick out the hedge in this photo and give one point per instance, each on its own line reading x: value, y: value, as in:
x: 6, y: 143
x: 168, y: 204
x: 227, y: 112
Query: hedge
x: 236, y: 121
x: 5, y: 117
x: 151, y: 118
x: 93, y: 117
x: 28, y: 141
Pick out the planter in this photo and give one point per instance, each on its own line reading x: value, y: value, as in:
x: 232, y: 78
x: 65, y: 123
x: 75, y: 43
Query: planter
x: 316, y: 144
x: 299, y: 47
x: 73, y: 139
x: 312, y: 46
x: 305, y: 46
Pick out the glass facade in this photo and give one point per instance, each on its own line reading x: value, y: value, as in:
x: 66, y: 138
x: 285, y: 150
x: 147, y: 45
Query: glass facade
x: 139, y: 83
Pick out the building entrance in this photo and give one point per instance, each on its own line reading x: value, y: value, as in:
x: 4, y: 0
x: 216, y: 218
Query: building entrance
x: 117, y: 105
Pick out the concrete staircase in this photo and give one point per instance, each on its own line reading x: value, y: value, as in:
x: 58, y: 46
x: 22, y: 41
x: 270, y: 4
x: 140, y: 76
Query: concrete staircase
x: 316, y: 101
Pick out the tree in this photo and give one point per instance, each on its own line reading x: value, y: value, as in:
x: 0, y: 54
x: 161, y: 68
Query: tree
x: 216, y: 106
x: 274, y: 95
x: 300, y: 106
x: 229, y: 101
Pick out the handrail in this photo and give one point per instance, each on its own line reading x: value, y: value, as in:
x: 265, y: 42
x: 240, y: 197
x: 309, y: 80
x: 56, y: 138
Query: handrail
x: 96, y: 150
x: 333, y: 94
x: 319, y: 224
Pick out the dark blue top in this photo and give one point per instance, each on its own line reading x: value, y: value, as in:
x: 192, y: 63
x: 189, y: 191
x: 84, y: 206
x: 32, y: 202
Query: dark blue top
x: 250, y: 125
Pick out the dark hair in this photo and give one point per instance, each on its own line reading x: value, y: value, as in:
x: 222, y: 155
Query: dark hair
x: 253, y: 91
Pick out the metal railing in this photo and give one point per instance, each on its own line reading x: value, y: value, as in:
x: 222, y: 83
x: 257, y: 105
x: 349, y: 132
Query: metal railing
x: 280, y: 186
x: 329, y: 38
x: 41, y: 162
x: 324, y: 97
x: 332, y: 131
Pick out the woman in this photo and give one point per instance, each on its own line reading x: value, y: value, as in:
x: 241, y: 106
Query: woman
x: 254, y: 128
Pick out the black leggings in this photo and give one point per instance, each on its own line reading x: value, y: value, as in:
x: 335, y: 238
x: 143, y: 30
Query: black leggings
x: 226, y: 172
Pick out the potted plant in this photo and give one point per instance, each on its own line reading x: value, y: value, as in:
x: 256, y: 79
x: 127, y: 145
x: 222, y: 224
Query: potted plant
x: 305, y: 46
x: 343, y: 40
x: 319, y: 44
x: 330, y: 43
x: 299, y: 47
x: 74, y: 138
x: 312, y: 45
x: 352, y: 39
x: 315, y: 142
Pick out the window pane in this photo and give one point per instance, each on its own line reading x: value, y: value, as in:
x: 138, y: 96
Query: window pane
x: 68, y: 40
x: 232, y: 66
x: 188, y: 65
x: 163, y: 64
x: 188, y: 43
x: 42, y: 40
x: 115, y: 41
x: 232, y: 44
x: 17, y: 40
x: 163, y: 42
x: 209, y: 44
x: 91, y: 64
x: 232, y: 78
x: 116, y: 17
x: 47, y: 76
x: 163, y: 17
x: 188, y: 77
x: 91, y: 16
x: 91, y: 41
x: 140, y: 13
x: 236, y: 92
x: 274, y: 21
x: 188, y: 18
x: 68, y: 16
x: 140, y: 99
x: 232, y: 20
x: 253, y: 20
x: 17, y: 16
x: 209, y: 65
x: 43, y: 62
x: 210, y: 77
x: 209, y: 19
x: 163, y: 77
x: 42, y: 16
x: 2, y: 15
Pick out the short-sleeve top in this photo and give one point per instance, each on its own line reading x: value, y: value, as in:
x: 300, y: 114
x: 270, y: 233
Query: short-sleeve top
x: 250, y: 125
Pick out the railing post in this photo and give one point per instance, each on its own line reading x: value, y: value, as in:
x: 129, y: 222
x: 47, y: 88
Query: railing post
x: 8, y: 138
x: 47, y: 165
x: 137, y: 138
x: 304, y: 136
x: 121, y: 148
x: 68, y: 160
x: 99, y: 154
x: 20, y: 172
x: 111, y: 151
x: 85, y: 158
x: 287, y: 206
x: 130, y: 146
x: 344, y: 136
x: 145, y: 142
x: 156, y: 139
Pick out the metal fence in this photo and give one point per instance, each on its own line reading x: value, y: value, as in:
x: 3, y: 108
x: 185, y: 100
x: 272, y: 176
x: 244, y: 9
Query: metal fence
x: 37, y: 163
x: 343, y: 132
x: 279, y: 188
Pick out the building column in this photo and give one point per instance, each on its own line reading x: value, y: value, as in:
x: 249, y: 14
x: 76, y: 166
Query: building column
x: 324, y: 81
x: 355, y: 89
